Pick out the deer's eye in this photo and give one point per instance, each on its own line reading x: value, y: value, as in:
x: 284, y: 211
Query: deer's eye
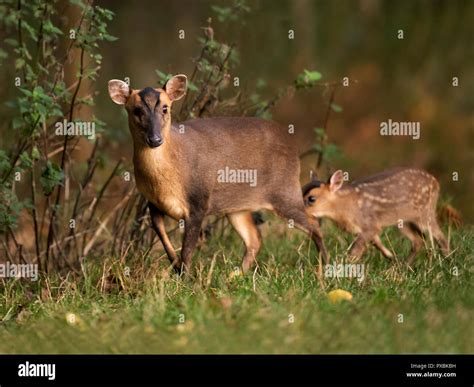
x: 165, y: 109
x: 311, y: 200
x: 137, y: 112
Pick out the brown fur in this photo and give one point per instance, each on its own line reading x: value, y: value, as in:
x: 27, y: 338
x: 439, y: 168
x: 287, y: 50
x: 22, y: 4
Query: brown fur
x: 180, y: 177
x: 365, y: 206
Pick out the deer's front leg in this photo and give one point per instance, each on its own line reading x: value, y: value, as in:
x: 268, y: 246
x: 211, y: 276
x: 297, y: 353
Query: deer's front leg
x: 192, y: 230
x: 316, y: 236
x: 158, y: 223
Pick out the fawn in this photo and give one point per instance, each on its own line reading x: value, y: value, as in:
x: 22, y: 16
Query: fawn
x: 202, y: 167
x: 402, y: 196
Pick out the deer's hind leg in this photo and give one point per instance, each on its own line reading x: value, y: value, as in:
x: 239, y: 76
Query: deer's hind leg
x: 245, y: 226
x: 435, y: 233
x: 413, y: 233
x: 433, y: 226
x: 293, y: 209
x: 439, y: 237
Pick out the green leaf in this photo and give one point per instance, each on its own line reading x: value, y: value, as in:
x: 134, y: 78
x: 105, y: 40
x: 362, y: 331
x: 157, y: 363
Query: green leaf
x: 192, y: 86
x: 255, y: 98
x: 4, y: 161
x: 331, y: 152
x: 49, y: 27
x: 163, y: 77
x: 261, y: 83
x: 307, y: 79
x: 11, y: 42
x: 312, y: 76
x: 51, y: 177
x: 25, y: 160
x: 317, y: 148
x: 27, y: 92
x: 19, y: 63
x: 223, y: 13
x: 109, y: 38
x: 266, y: 115
x: 17, y: 122
x: 336, y: 108
x: 35, y: 153
x: 320, y: 132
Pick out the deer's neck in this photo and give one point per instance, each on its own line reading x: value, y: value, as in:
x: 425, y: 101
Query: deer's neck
x: 150, y: 160
x: 153, y: 161
x: 159, y: 178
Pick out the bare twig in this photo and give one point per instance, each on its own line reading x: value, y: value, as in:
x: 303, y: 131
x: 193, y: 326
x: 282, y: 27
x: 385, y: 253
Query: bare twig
x: 103, y: 224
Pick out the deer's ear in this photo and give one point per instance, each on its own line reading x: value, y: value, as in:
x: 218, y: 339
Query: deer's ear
x: 336, y: 181
x: 119, y: 91
x: 176, y: 87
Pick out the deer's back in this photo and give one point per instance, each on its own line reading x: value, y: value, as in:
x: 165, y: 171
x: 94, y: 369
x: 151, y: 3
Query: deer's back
x: 214, y: 147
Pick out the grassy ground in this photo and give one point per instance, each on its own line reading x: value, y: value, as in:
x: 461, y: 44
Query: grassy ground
x: 280, y: 308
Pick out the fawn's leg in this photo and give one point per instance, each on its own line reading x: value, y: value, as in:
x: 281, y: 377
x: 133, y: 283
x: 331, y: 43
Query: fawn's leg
x: 378, y: 243
x: 411, y: 231
x: 360, y: 245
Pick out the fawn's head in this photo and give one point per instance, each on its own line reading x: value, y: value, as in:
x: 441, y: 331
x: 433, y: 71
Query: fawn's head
x: 149, y: 109
x: 320, y: 198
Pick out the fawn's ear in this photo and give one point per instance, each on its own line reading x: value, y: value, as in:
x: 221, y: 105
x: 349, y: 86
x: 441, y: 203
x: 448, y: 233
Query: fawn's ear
x: 119, y: 91
x: 336, y: 181
x: 176, y: 87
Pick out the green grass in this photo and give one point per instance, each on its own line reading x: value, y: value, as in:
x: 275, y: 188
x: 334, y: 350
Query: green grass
x: 141, y: 312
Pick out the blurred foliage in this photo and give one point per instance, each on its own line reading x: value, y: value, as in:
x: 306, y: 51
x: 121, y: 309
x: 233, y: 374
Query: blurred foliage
x: 329, y: 152
x: 41, y: 48
x: 238, y: 9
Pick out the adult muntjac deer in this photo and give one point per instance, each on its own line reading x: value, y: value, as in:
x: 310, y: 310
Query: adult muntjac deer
x: 230, y: 166
x: 403, y: 196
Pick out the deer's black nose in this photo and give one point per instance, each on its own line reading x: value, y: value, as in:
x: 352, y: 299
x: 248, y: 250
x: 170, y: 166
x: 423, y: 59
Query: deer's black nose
x: 154, y: 142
